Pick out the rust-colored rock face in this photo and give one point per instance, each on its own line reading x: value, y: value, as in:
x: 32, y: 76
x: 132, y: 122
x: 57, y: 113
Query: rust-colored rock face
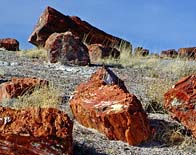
x: 172, y: 53
x: 103, y: 103
x: 35, y: 131
x: 66, y: 49
x: 19, y: 86
x: 9, y: 44
x: 187, y: 52
x: 180, y: 101
x: 98, y: 51
x: 53, y: 21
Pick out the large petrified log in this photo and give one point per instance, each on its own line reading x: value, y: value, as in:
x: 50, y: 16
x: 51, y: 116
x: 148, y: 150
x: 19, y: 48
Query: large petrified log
x: 53, y: 21
x: 180, y: 101
x: 105, y: 104
x: 35, y: 131
x: 19, y: 86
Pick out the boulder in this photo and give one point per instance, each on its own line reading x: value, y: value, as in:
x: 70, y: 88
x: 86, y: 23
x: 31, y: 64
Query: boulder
x: 66, y: 49
x: 180, y: 101
x: 9, y: 44
x: 140, y: 51
x: 98, y: 51
x: 53, y: 21
x: 172, y: 53
x: 19, y: 86
x: 35, y: 131
x: 103, y: 103
x: 187, y: 52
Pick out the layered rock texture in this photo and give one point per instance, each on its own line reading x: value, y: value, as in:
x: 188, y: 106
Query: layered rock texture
x: 189, y: 52
x: 104, y: 103
x: 66, y: 49
x: 35, y: 131
x: 9, y: 44
x: 180, y: 101
x: 98, y: 51
x: 53, y: 21
x: 19, y: 86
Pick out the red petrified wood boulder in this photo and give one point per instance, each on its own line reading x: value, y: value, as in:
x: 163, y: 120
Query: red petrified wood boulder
x: 103, y: 103
x: 98, y: 51
x: 67, y: 49
x: 35, y: 131
x: 187, y: 52
x: 172, y: 53
x: 19, y: 86
x: 9, y: 44
x: 180, y: 101
x: 53, y: 21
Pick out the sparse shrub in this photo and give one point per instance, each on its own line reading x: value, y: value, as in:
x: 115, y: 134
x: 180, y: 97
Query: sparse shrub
x: 46, y: 96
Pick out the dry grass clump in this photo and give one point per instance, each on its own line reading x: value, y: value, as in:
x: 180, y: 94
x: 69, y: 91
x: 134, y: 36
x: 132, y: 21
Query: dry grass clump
x: 155, y: 93
x: 34, y: 53
x: 46, y: 96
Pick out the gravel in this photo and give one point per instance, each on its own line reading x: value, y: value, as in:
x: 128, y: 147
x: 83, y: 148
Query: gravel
x: 89, y: 141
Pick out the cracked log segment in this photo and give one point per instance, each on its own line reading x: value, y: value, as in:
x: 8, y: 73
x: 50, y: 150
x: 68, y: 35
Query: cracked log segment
x: 180, y: 101
x: 35, y: 131
x: 53, y: 21
x: 103, y: 103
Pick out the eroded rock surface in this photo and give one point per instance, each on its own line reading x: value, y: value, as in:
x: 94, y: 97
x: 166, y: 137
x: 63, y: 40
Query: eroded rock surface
x: 66, y: 49
x: 180, y: 101
x: 105, y: 104
x: 35, y: 129
x: 9, y: 44
x: 98, y: 51
x: 19, y: 86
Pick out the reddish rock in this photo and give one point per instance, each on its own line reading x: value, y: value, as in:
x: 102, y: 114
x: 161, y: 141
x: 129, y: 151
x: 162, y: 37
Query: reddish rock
x: 67, y: 49
x: 172, y: 53
x: 180, y: 101
x: 187, y: 52
x: 35, y: 131
x: 103, y: 103
x: 53, y: 21
x: 19, y: 86
x: 98, y: 51
x: 9, y: 44
x: 140, y: 51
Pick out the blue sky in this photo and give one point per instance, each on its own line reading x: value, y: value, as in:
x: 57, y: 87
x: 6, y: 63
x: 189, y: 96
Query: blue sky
x: 154, y: 24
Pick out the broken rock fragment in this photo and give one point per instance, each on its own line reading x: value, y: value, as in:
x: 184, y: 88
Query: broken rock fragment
x: 35, y: 131
x: 103, y: 103
x: 180, y: 101
x: 19, y: 86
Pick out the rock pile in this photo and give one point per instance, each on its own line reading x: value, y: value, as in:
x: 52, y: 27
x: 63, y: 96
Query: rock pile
x: 103, y: 103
